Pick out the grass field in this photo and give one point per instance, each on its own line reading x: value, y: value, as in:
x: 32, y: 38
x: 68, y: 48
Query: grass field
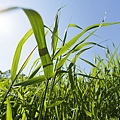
x: 56, y: 88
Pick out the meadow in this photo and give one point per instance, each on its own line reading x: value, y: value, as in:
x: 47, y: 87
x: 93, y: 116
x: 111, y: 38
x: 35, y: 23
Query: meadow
x: 56, y: 87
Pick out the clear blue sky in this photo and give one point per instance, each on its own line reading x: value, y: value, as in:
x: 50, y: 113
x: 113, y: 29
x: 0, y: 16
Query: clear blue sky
x: 14, y: 24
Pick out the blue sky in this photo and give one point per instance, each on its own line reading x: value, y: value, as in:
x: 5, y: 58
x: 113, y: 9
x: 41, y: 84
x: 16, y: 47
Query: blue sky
x: 14, y: 24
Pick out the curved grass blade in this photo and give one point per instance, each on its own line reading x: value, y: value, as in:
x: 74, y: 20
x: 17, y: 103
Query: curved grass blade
x: 89, y: 76
x: 74, y: 25
x: 31, y: 75
x: 80, y: 46
x: 17, y: 54
x: 74, y: 39
x: 38, y: 29
x: 31, y: 81
x: 88, y: 62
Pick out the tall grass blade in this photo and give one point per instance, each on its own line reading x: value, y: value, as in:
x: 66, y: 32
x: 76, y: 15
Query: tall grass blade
x: 71, y: 78
x: 9, y: 110
x: 55, y: 34
x: 38, y: 29
x: 17, y: 54
x: 112, y: 57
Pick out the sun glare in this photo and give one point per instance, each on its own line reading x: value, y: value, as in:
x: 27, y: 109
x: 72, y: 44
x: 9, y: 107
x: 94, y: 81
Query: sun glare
x: 5, y: 24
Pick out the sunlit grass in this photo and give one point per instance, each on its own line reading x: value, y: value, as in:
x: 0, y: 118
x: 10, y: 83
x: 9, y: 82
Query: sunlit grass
x: 56, y: 88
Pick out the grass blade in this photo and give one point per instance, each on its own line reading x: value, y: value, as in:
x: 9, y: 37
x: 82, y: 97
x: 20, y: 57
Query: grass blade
x: 88, y: 113
x: 71, y: 78
x: 62, y: 61
x: 38, y: 29
x: 35, y: 68
x: 88, y: 62
x: 55, y: 34
x: 77, y: 55
x: 31, y: 81
x: 55, y: 104
x: 74, y: 25
x: 17, y: 54
x: 74, y: 39
x: 26, y: 61
x: 35, y: 71
x: 9, y: 110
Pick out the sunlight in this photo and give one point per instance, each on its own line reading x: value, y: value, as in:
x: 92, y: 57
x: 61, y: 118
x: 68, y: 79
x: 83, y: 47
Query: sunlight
x: 5, y: 24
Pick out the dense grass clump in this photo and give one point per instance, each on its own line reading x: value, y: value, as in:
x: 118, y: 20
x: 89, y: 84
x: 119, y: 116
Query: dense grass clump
x: 62, y: 91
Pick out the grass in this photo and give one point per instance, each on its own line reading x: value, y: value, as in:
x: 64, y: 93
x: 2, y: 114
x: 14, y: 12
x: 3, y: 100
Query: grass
x: 62, y: 90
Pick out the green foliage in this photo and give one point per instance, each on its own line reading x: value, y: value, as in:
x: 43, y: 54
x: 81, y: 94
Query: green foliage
x: 62, y: 90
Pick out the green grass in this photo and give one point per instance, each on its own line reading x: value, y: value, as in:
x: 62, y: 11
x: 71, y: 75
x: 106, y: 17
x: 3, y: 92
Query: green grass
x: 56, y: 88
